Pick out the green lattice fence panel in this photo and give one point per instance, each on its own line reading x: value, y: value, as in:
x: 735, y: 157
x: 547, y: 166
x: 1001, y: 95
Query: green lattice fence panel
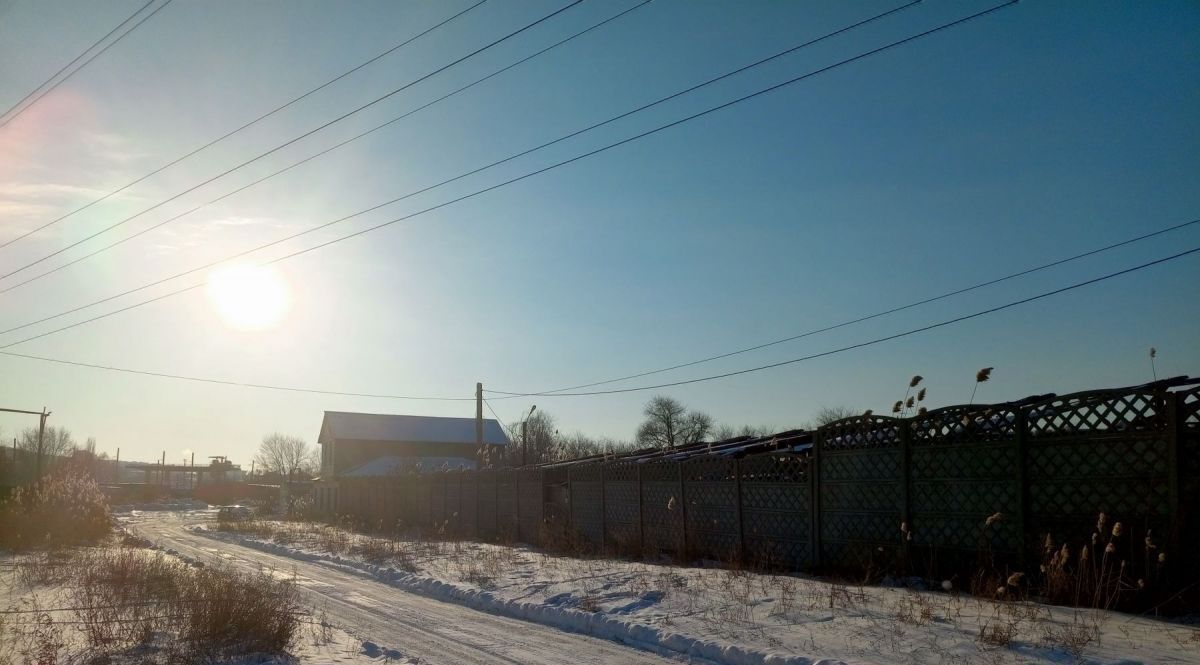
x: 710, y: 496
x: 860, y: 490
x: 964, y: 467
x: 1099, y: 451
x: 506, y: 505
x: 621, y: 514
x: 776, y: 510
x: 587, y: 505
x: 487, y: 505
x: 470, y: 515
x: 662, y: 509
x: 529, y: 498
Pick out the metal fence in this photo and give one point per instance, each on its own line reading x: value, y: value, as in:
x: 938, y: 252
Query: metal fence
x: 869, y: 489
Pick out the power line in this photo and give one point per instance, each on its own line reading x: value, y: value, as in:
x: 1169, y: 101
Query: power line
x: 511, y: 435
x: 37, y: 97
x: 293, y: 140
x: 713, y: 377
x: 239, y: 129
x: 877, y: 340
x: 477, y: 192
x: 866, y: 317
x: 292, y: 166
x: 240, y: 384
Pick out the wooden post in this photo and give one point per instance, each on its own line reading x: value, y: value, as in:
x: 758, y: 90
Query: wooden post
x: 479, y: 421
x: 40, y: 446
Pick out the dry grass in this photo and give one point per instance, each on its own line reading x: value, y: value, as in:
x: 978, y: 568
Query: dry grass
x: 65, y: 508
x: 119, y: 601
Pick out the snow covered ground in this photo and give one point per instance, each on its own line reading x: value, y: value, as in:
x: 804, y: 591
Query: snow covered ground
x: 729, y: 616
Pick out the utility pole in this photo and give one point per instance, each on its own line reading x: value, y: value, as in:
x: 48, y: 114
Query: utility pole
x: 41, y: 436
x: 479, y: 419
x: 524, y: 435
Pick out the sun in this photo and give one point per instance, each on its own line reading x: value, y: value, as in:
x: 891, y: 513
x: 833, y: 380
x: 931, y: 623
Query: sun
x: 249, y: 297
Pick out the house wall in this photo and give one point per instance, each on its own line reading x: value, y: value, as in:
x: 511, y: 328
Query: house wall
x: 345, y: 454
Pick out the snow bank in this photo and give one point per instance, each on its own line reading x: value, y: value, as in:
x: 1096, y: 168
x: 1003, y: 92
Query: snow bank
x: 595, y: 624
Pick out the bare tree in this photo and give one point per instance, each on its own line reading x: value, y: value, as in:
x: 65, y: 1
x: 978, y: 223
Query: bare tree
x: 669, y: 424
x: 57, y: 442
x: 286, y: 455
x: 829, y: 414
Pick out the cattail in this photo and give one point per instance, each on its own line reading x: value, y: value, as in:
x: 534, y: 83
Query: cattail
x: 922, y: 411
x: 921, y: 395
x: 1116, y: 529
x: 1110, y: 548
x: 1083, y: 554
x: 1001, y: 591
x: 1141, y: 583
x: 947, y: 585
x: 896, y: 406
x: 671, y: 504
x: 1095, y: 538
x: 904, y: 527
x: 1150, y: 542
x: 996, y: 517
x: 1049, y: 543
x: 1162, y: 557
x: 868, y: 413
x: 1015, y: 579
x: 916, y: 380
x: 909, y: 402
x: 1103, y: 519
x: 983, y: 374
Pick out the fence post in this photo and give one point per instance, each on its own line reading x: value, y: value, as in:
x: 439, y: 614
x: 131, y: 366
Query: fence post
x: 814, y: 499
x: 1022, y: 444
x: 496, y: 504
x: 570, y: 502
x: 603, y: 511
x: 737, y: 509
x: 905, y: 469
x: 682, y: 513
x: 1174, y: 434
x: 477, y: 534
x: 517, y: 502
x: 641, y: 522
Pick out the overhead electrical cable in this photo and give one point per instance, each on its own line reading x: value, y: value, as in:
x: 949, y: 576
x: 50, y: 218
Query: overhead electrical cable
x: 877, y: 340
x: 528, y: 174
x: 330, y: 149
x: 290, y: 141
x: 867, y: 317
x: 35, y: 96
x: 240, y: 384
x: 241, y: 128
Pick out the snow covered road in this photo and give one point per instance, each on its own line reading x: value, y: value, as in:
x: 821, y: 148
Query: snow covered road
x: 422, y: 629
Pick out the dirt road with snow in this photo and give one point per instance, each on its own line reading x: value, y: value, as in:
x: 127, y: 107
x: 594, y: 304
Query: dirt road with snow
x: 421, y: 629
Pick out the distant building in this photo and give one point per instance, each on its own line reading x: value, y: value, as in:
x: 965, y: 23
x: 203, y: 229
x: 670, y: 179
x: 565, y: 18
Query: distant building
x: 358, y: 445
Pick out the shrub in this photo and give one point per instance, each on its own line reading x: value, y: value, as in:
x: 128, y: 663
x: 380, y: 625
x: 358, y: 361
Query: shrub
x: 65, y: 508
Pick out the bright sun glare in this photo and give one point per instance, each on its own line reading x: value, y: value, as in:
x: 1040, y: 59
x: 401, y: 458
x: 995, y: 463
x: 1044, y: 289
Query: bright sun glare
x: 249, y: 297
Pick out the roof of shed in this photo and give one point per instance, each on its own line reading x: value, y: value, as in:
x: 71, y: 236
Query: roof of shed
x: 406, y: 429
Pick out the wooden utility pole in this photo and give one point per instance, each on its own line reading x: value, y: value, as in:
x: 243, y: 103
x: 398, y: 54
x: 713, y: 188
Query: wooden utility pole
x: 41, y: 437
x: 479, y: 419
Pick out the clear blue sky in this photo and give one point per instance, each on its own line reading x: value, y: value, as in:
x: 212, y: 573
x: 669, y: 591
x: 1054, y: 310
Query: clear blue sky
x: 1040, y: 131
